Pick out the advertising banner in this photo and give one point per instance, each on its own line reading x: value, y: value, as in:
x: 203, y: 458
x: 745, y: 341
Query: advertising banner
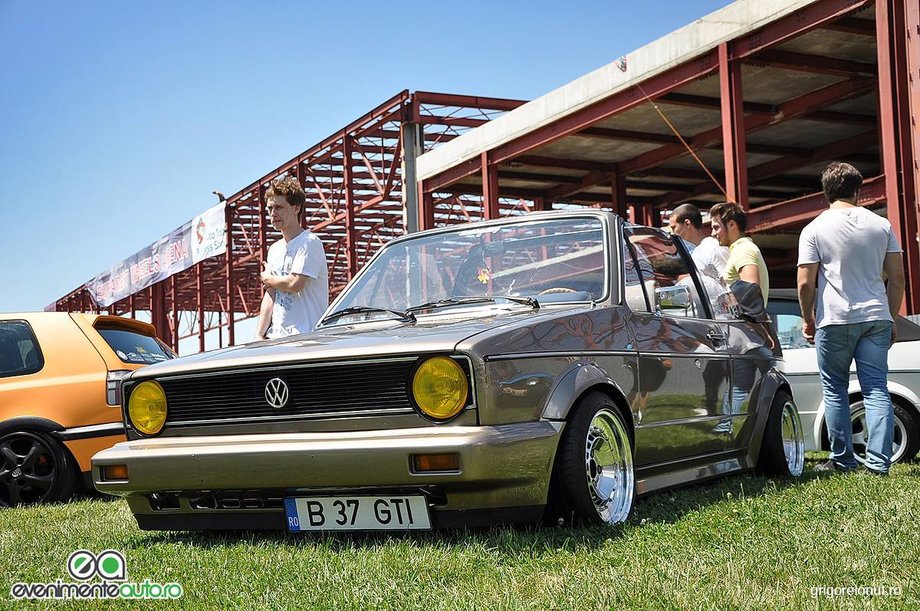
x: 209, y: 234
x: 203, y: 237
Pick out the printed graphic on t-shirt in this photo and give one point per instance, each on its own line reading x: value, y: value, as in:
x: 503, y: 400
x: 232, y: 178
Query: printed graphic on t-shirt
x: 283, y: 299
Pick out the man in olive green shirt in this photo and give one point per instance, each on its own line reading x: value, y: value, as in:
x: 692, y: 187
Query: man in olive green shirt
x: 745, y: 262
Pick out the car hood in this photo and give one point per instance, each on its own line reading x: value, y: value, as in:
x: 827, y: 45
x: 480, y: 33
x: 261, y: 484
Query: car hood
x: 431, y: 333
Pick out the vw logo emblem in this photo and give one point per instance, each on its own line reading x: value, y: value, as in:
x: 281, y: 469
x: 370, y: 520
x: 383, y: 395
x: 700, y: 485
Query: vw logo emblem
x: 276, y: 393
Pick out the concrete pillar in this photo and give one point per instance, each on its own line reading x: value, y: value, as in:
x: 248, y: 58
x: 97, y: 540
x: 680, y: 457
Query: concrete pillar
x: 412, y: 146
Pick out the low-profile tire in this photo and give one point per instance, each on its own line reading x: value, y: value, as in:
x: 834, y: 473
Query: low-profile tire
x: 34, y: 468
x: 782, y: 450
x: 594, y: 479
x: 906, y: 438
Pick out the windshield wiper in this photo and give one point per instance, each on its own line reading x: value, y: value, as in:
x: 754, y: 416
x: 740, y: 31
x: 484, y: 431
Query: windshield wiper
x: 403, y: 316
x: 453, y: 301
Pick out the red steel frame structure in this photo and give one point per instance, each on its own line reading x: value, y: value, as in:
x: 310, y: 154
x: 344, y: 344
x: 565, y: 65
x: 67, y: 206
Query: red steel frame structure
x: 355, y: 178
x: 355, y: 202
x: 897, y: 34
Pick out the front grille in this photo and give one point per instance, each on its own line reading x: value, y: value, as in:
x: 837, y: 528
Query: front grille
x: 242, y: 499
x: 234, y: 500
x: 316, y: 391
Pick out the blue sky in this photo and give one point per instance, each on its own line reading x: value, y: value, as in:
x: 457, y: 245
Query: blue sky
x: 118, y: 119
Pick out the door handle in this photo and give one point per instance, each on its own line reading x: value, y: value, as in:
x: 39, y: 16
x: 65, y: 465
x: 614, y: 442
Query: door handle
x: 715, y: 336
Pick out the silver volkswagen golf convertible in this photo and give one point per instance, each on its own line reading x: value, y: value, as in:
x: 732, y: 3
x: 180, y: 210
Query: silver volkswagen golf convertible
x: 554, y: 365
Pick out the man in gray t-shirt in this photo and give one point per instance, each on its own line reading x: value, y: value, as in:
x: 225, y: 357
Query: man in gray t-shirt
x: 845, y: 255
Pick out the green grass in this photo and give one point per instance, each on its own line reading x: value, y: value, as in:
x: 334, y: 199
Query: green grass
x: 742, y: 542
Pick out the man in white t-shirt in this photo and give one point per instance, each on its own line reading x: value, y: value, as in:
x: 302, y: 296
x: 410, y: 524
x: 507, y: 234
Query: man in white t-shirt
x: 844, y: 256
x: 294, y: 276
x: 709, y: 257
x: 686, y: 222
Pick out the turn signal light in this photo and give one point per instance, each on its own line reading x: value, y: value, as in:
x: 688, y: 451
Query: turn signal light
x: 422, y: 463
x: 114, y: 473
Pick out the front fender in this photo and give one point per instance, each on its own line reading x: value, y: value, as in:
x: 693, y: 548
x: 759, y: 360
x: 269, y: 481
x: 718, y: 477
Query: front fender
x: 573, y: 384
x: 772, y: 382
x: 29, y: 423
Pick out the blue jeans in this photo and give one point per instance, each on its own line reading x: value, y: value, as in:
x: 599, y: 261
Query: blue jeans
x: 868, y: 343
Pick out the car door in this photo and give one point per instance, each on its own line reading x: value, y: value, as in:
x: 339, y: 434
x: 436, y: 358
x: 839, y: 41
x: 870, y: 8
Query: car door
x: 801, y: 359
x: 682, y: 388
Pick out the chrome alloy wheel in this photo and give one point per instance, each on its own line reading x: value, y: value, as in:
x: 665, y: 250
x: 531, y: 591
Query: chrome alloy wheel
x: 793, y: 439
x: 609, y: 467
x: 861, y: 434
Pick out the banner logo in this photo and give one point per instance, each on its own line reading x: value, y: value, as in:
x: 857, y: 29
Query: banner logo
x: 109, y: 564
x: 99, y: 576
x: 210, y: 233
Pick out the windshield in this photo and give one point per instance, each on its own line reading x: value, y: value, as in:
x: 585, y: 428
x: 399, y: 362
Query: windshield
x: 552, y: 260
x: 132, y: 347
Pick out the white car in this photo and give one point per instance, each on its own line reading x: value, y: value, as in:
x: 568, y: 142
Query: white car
x: 802, y: 371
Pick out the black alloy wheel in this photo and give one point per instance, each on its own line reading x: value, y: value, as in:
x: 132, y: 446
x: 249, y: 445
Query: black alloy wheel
x: 34, y: 468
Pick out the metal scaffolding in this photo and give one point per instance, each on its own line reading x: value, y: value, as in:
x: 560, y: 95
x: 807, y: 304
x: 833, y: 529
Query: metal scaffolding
x: 355, y: 203
x: 764, y: 111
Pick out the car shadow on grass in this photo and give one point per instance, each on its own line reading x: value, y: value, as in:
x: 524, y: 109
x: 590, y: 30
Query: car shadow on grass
x: 673, y: 505
x: 659, y: 508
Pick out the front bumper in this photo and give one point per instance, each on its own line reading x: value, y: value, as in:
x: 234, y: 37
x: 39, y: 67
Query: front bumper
x: 503, y: 466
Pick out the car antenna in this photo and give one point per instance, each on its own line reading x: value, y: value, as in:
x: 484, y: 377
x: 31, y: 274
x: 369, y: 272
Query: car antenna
x: 684, y: 142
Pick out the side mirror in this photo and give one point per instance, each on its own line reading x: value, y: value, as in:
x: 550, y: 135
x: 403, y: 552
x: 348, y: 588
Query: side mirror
x: 672, y: 298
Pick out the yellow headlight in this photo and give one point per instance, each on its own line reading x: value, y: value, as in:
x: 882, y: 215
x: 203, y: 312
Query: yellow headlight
x: 147, y: 407
x: 440, y: 388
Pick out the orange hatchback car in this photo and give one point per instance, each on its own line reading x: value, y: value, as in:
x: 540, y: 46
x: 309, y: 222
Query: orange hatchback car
x: 60, y: 397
